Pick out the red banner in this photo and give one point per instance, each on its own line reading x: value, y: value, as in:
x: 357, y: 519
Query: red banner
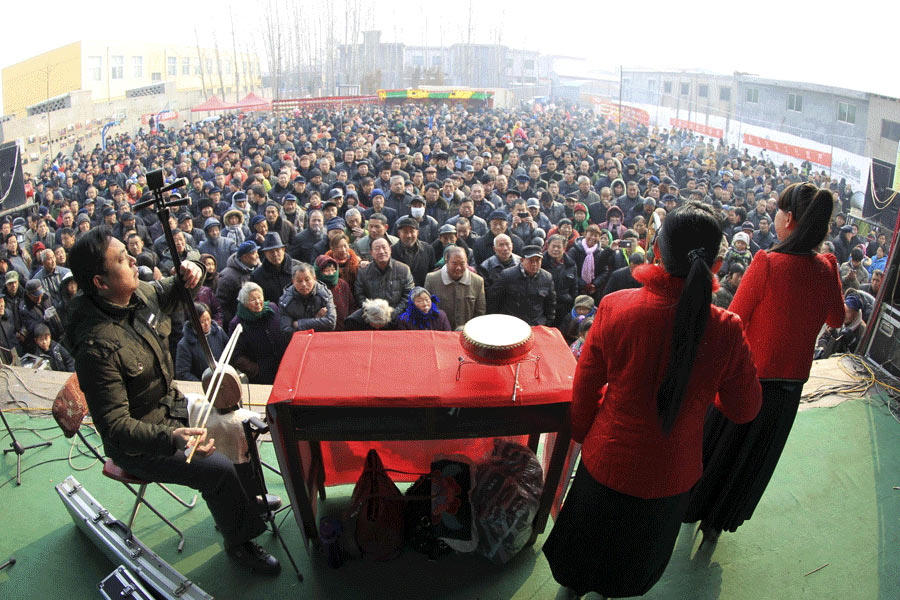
x: 630, y: 114
x: 700, y: 128
x: 166, y: 115
x: 309, y: 104
x: 814, y: 156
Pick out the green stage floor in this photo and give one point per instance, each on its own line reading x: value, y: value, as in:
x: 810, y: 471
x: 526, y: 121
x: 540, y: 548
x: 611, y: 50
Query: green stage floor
x: 831, y: 502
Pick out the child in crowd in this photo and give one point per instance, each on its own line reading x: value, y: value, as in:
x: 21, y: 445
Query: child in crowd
x: 582, y: 309
x: 58, y: 357
x: 583, y: 328
x: 738, y: 253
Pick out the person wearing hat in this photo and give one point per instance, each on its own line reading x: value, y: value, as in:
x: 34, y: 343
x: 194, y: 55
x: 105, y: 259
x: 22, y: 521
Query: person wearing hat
x: 14, y: 294
x: 274, y: 222
x: 274, y: 272
x: 238, y: 268
x: 235, y: 229
x: 844, y: 340
x: 417, y: 254
x: 738, y: 253
x: 9, y: 341
x: 844, y: 243
x: 561, y: 267
x: 217, y: 245
x: 37, y: 308
x: 378, y: 206
x: 526, y: 290
x: 195, y: 235
x: 442, y: 172
x: 428, y: 225
x: 258, y: 229
x: 435, y: 205
x: 422, y: 313
x: 583, y: 308
x: 498, y: 223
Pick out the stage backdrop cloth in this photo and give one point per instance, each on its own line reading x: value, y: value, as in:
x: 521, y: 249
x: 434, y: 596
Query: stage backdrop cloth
x: 414, y: 369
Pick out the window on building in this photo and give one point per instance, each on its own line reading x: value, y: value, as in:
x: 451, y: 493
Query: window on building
x: 196, y: 63
x: 667, y: 87
x: 95, y: 67
x: 209, y: 65
x: 228, y: 67
x: 172, y: 64
x: 703, y: 90
x: 651, y: 85
x: 890, y: 130
x: 528, y: 65
x: 509, y: 63
x: 436, y: 61
x: 795, y: 102
x: 137, y: 66
x: 185, y: 66
x: 752, y: 95
x: 117, y: 67
x: 157, y: 76
x: 846, y: 112
x: 418, y: 60
x: 685, y: 88
x: 725, y: 94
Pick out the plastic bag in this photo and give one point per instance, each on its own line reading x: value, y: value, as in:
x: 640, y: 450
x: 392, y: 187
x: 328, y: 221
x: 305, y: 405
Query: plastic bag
x: 508, y: 486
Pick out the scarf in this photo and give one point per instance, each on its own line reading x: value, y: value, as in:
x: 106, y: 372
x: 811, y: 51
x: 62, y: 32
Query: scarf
x: 245, y: 314
x: 587, y: 269
x: 417, y: 317
x: 329, y: 280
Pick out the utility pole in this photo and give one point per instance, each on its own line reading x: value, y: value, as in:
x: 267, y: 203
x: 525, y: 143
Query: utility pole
x: 202, y: 67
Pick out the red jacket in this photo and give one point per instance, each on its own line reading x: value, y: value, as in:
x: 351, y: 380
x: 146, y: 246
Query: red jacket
x: 783, y: 300
x: 624, y: 446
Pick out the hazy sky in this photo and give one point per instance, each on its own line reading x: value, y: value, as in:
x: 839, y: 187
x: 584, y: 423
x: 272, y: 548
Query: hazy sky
x: 772, y: 38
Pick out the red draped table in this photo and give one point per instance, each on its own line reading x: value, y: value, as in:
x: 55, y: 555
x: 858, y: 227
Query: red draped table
x: 339, y: 394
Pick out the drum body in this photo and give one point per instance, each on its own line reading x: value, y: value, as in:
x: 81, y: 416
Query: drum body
x: 496, y: 339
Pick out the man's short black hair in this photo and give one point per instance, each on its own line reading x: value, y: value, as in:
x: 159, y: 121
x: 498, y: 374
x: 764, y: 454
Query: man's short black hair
x: 88, y: 257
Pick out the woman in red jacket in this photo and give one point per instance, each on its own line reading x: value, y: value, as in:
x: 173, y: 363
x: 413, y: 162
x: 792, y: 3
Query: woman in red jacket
x: 664, y: 354
x: 786, y: 295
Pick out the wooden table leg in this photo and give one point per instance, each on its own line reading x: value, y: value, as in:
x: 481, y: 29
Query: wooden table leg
x: 533, y: 440
x: 319, y: 466
x: 551, y: 481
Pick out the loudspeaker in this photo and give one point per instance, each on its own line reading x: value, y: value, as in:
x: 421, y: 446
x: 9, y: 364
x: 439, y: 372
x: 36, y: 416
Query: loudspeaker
x: 12, y: 182
x: 881, y: 342
x: 881, y: 179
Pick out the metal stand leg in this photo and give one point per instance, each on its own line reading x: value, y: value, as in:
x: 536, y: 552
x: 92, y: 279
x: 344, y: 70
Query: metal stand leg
x: 140, y: 500
x: 8, y: 563
x: 19, y: 449
x: 177, y: 497
x: 252, y: 432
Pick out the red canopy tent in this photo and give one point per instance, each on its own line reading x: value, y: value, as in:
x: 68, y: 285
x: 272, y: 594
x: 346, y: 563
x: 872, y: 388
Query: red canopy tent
x: 253, y: 102
x: 212, y: 104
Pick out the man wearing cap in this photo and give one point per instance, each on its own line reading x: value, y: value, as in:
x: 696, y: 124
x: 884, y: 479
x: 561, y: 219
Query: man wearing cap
x: 376, y: 227
x: 846, y: 339
x: 236, y: 273
x: 37, y: 308
x: 384, y: 278
x: 843, y: 244
x: 274, y: 272
x: 195, y: 235
x: 218, y: 246
x: 14, y: 293
x: 50, y: 274
x: 436, y: 207
x: 428, y: 226
x: 853, y: 273
x: 484, y: 246
x: 417, y: 254
x: 447, y: 236
x: 441, y: 170
x: 526, y: 290
x: 184, y: 249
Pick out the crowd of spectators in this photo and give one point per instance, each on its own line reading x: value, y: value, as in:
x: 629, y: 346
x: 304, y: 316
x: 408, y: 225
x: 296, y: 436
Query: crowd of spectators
x: 407, y: 217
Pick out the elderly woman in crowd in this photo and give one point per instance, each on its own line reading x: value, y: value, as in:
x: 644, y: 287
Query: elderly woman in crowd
x: 261, y: 345
x: 374, y: 315
x: 422, y: 312
x: 207, y: 292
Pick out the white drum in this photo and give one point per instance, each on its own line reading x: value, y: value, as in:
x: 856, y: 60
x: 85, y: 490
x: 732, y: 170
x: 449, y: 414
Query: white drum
x: 496, y: 339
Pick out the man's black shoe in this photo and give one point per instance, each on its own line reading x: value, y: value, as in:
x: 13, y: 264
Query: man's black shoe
x: 273, y: 502
x: 250, y: 554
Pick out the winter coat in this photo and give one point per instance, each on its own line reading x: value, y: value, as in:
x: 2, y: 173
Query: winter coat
x: 601, y: 267
x: 419, y: 259
x: 301, y: 246
x: 273, y: 278
x: 565, y: 282
x: 461, y: 300
x: 231, y: 280
x: 532, y: 299
x: 393, y: 284
x: 190, y: 360
x: 59, y: 357
x: 220, y: 248
x: 260, y: 347
x: 299, y: 313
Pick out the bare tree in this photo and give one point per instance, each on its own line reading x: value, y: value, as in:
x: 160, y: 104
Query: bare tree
x: 202, y: 67
x: 237, y: 70
x: 219, y: 64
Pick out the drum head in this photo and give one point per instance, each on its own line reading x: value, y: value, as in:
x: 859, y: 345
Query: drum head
x: 496, y: 339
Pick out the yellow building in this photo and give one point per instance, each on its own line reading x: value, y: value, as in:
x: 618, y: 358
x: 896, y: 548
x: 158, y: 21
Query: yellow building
x: 109, y: 69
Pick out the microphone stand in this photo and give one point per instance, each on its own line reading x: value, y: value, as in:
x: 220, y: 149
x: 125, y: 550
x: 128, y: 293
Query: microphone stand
x: 19, y: 449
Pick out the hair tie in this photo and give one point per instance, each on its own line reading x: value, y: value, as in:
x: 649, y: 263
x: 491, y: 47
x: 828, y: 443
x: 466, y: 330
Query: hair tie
x: 697, y: 254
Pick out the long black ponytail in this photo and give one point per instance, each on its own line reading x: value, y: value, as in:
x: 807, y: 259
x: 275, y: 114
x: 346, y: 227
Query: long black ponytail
x: 688, y: 242
x: 811, y: 208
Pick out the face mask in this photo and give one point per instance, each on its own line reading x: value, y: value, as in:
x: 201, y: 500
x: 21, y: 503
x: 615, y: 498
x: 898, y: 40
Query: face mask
x: 417, y: 212
x: 329, y: 280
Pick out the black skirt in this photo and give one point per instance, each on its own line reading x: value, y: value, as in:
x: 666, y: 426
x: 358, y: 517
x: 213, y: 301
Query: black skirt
x: 611, y: 543
x: 739, y: 459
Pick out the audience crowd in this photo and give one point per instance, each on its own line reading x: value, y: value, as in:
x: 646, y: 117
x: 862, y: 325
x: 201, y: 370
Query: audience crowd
x: 407, y: 217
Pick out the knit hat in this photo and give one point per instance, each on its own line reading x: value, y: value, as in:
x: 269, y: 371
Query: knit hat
x: 256, y: 220
x: 211, y: 222
x: 853, y: 302
x: 741, y: 237
x: 246, y: 248
x: 584, y: 301
x: 323, y: 261
x: 12, y: 276
x: 335, y: 223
